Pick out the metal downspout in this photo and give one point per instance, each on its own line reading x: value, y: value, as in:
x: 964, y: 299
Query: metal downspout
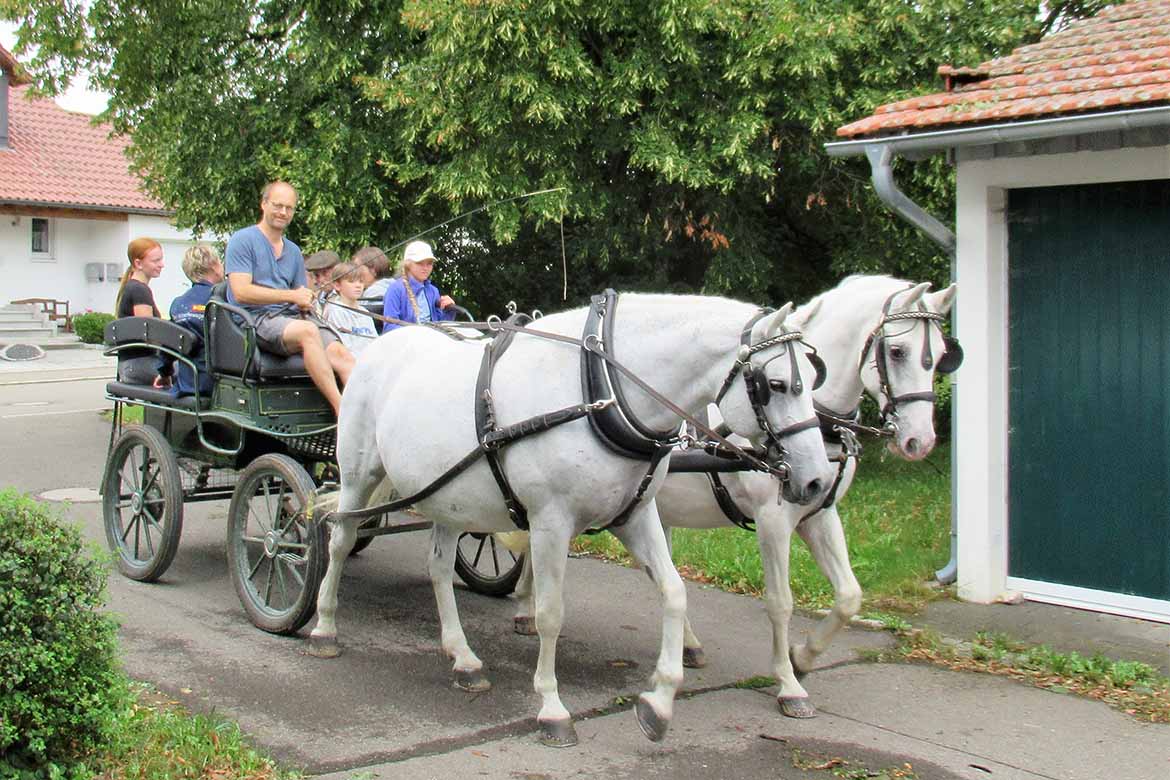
x: 881, y: 158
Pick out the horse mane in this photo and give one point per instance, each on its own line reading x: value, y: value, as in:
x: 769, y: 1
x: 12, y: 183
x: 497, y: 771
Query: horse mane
x: 884, y: 281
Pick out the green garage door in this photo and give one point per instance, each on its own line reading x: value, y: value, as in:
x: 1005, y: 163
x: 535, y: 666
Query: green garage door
x: 1089, y: 442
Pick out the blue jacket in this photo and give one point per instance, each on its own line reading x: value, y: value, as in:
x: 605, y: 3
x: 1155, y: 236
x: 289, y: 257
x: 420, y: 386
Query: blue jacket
x: 397, y: 305
x: 187, y: 311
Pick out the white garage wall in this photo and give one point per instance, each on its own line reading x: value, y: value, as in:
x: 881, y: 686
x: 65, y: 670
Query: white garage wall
x: 981, y: 451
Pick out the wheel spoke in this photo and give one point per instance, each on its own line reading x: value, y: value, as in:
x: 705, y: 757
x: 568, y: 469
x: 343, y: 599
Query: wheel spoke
x: 150, y: 476
x: 259, y: 560
x: 495, y: 560
x: 265, y: 487
x: 294, y: 546
x: 478, y: 552
x: 253, y: 539
x: 126, y: 529
x: 268, y: 585
x: 259, y: 521
x: 280, y: 581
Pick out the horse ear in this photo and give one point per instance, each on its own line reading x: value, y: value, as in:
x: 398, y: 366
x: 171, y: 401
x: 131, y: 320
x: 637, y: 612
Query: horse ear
x: 800, y: 319
x: 770, y: 325
x: 943, y: 300
x: 913, y: 296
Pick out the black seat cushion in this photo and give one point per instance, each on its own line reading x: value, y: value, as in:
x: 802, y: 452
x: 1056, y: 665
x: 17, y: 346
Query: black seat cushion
x: 226, y: 348
x: 160, y: 397
x: 151, y: 330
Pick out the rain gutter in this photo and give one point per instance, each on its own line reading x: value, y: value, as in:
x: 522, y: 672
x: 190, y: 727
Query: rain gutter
x: 882, y: 151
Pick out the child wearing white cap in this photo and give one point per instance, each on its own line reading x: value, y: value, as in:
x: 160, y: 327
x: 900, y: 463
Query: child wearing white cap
x: 411, y: 297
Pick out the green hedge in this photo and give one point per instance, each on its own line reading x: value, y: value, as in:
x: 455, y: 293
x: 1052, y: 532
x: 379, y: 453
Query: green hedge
x: 61, y: 692
x: 91, y: 326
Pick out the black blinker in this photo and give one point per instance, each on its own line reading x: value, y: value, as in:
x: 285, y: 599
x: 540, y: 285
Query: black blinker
x: 952, y: 358
x: 818, y: 366
x: 763, y: 391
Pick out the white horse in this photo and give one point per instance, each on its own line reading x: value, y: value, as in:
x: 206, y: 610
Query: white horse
x: 407, y: 417
x: 864, y: 320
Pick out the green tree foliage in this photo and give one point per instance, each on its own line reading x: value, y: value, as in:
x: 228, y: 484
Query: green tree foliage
x: 61, y: 693
x: 686, y: 134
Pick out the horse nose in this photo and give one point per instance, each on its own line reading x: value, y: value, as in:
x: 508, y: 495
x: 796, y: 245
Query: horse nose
x: 813, y: 489
x: 911, y: 447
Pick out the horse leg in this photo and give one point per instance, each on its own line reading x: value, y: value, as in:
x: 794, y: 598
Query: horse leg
x: 644, y: 538
x: 693, y: 655
x: 826, y: 540
x: 468, y: 668
x: 358, y: 486
x: 774, y: 534
x: 523, y: 621
x: 549, y: 551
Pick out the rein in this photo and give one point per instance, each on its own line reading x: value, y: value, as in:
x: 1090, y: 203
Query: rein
x: 491, y: 438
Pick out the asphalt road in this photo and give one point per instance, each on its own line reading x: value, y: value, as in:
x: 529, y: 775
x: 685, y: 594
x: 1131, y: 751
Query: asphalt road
x: 386, y: 707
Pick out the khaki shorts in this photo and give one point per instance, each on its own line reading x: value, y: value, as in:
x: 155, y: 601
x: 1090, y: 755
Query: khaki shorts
x: 270, y: 331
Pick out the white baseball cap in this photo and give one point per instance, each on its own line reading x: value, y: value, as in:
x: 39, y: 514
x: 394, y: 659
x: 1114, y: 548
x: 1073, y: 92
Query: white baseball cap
x: 417, y: 251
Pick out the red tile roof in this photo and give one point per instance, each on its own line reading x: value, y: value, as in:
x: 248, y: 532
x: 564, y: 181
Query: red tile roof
x: 1115, y: 60
x: 60, y: 158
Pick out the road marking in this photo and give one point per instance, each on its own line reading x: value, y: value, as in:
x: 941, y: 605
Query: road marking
x: 55, y: 381
x: 52, y: 414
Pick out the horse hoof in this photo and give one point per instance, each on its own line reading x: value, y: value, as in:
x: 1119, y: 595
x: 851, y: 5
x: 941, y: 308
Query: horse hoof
x: 557, y: 733
x: 324, y: 647
x: 694, y: 658
x: 472, y: 680
x: 525, y: 625
x: 796, y: 707
x: 653, y: 725
x: 798, y: 671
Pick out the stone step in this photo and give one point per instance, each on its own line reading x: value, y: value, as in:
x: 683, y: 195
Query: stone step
x: 25, y: 325
x: 24, y: 332
x: 15, y: 315
x: 66, y: 341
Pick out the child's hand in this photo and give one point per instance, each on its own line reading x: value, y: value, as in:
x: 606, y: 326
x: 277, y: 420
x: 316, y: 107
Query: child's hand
x: 162, y: 382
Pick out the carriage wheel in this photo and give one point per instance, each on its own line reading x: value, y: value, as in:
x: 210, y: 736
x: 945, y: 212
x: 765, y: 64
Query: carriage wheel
x: 142, y: 503
x: 276, y: 555
x: 486, y: 565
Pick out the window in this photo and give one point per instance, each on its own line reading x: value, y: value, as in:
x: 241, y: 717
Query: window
x: 42, y: 246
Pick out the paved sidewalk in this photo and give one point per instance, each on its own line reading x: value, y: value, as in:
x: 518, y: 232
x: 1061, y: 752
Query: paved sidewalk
x: 76, y: 361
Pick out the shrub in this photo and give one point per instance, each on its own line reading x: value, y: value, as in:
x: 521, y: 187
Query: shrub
x: 91, y: 326
x: 61, y: 692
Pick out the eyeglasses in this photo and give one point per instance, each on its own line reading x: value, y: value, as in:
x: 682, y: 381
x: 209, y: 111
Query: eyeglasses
x: 282, y: 207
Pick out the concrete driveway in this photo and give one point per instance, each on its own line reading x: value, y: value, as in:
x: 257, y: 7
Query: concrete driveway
x: 386, y: 707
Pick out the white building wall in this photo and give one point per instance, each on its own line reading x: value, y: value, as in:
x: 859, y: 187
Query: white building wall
x: 67, y: 273
x: 981, y: 453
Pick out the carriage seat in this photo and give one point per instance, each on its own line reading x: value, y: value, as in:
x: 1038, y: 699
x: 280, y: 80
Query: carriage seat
x: 127, y: 392
x: 228, y: 350
x: 151, y: 331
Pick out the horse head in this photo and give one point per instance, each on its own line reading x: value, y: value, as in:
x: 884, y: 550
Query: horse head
x: 779, y: 373
x: 898, y: 365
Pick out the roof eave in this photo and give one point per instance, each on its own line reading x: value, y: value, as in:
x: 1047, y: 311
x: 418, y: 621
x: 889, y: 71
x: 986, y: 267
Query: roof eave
x: 1006, y: 132
x: 49, y: 204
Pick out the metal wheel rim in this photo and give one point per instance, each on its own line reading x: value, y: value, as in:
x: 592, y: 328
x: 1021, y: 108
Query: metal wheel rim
x: 274, y: 547
x: 138, y: 490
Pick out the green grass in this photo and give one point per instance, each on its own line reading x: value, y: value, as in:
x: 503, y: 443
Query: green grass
x: 897, y: 526
x: 131, y: 415
x: 160, y: 740
x: 1135, y: 688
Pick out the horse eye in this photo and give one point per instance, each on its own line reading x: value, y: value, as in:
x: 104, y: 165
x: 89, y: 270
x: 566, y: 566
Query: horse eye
x: 897, y: 352
x: 778, y: 385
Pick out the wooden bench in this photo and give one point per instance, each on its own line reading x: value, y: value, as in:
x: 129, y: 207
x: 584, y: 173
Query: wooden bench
x: 54, y: 309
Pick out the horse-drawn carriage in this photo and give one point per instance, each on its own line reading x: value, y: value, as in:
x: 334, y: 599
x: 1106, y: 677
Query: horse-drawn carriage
x: 264, y: 437
x: 586, y: 469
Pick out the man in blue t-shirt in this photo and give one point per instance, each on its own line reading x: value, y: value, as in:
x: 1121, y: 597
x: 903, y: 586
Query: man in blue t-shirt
x: 266, y: 275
